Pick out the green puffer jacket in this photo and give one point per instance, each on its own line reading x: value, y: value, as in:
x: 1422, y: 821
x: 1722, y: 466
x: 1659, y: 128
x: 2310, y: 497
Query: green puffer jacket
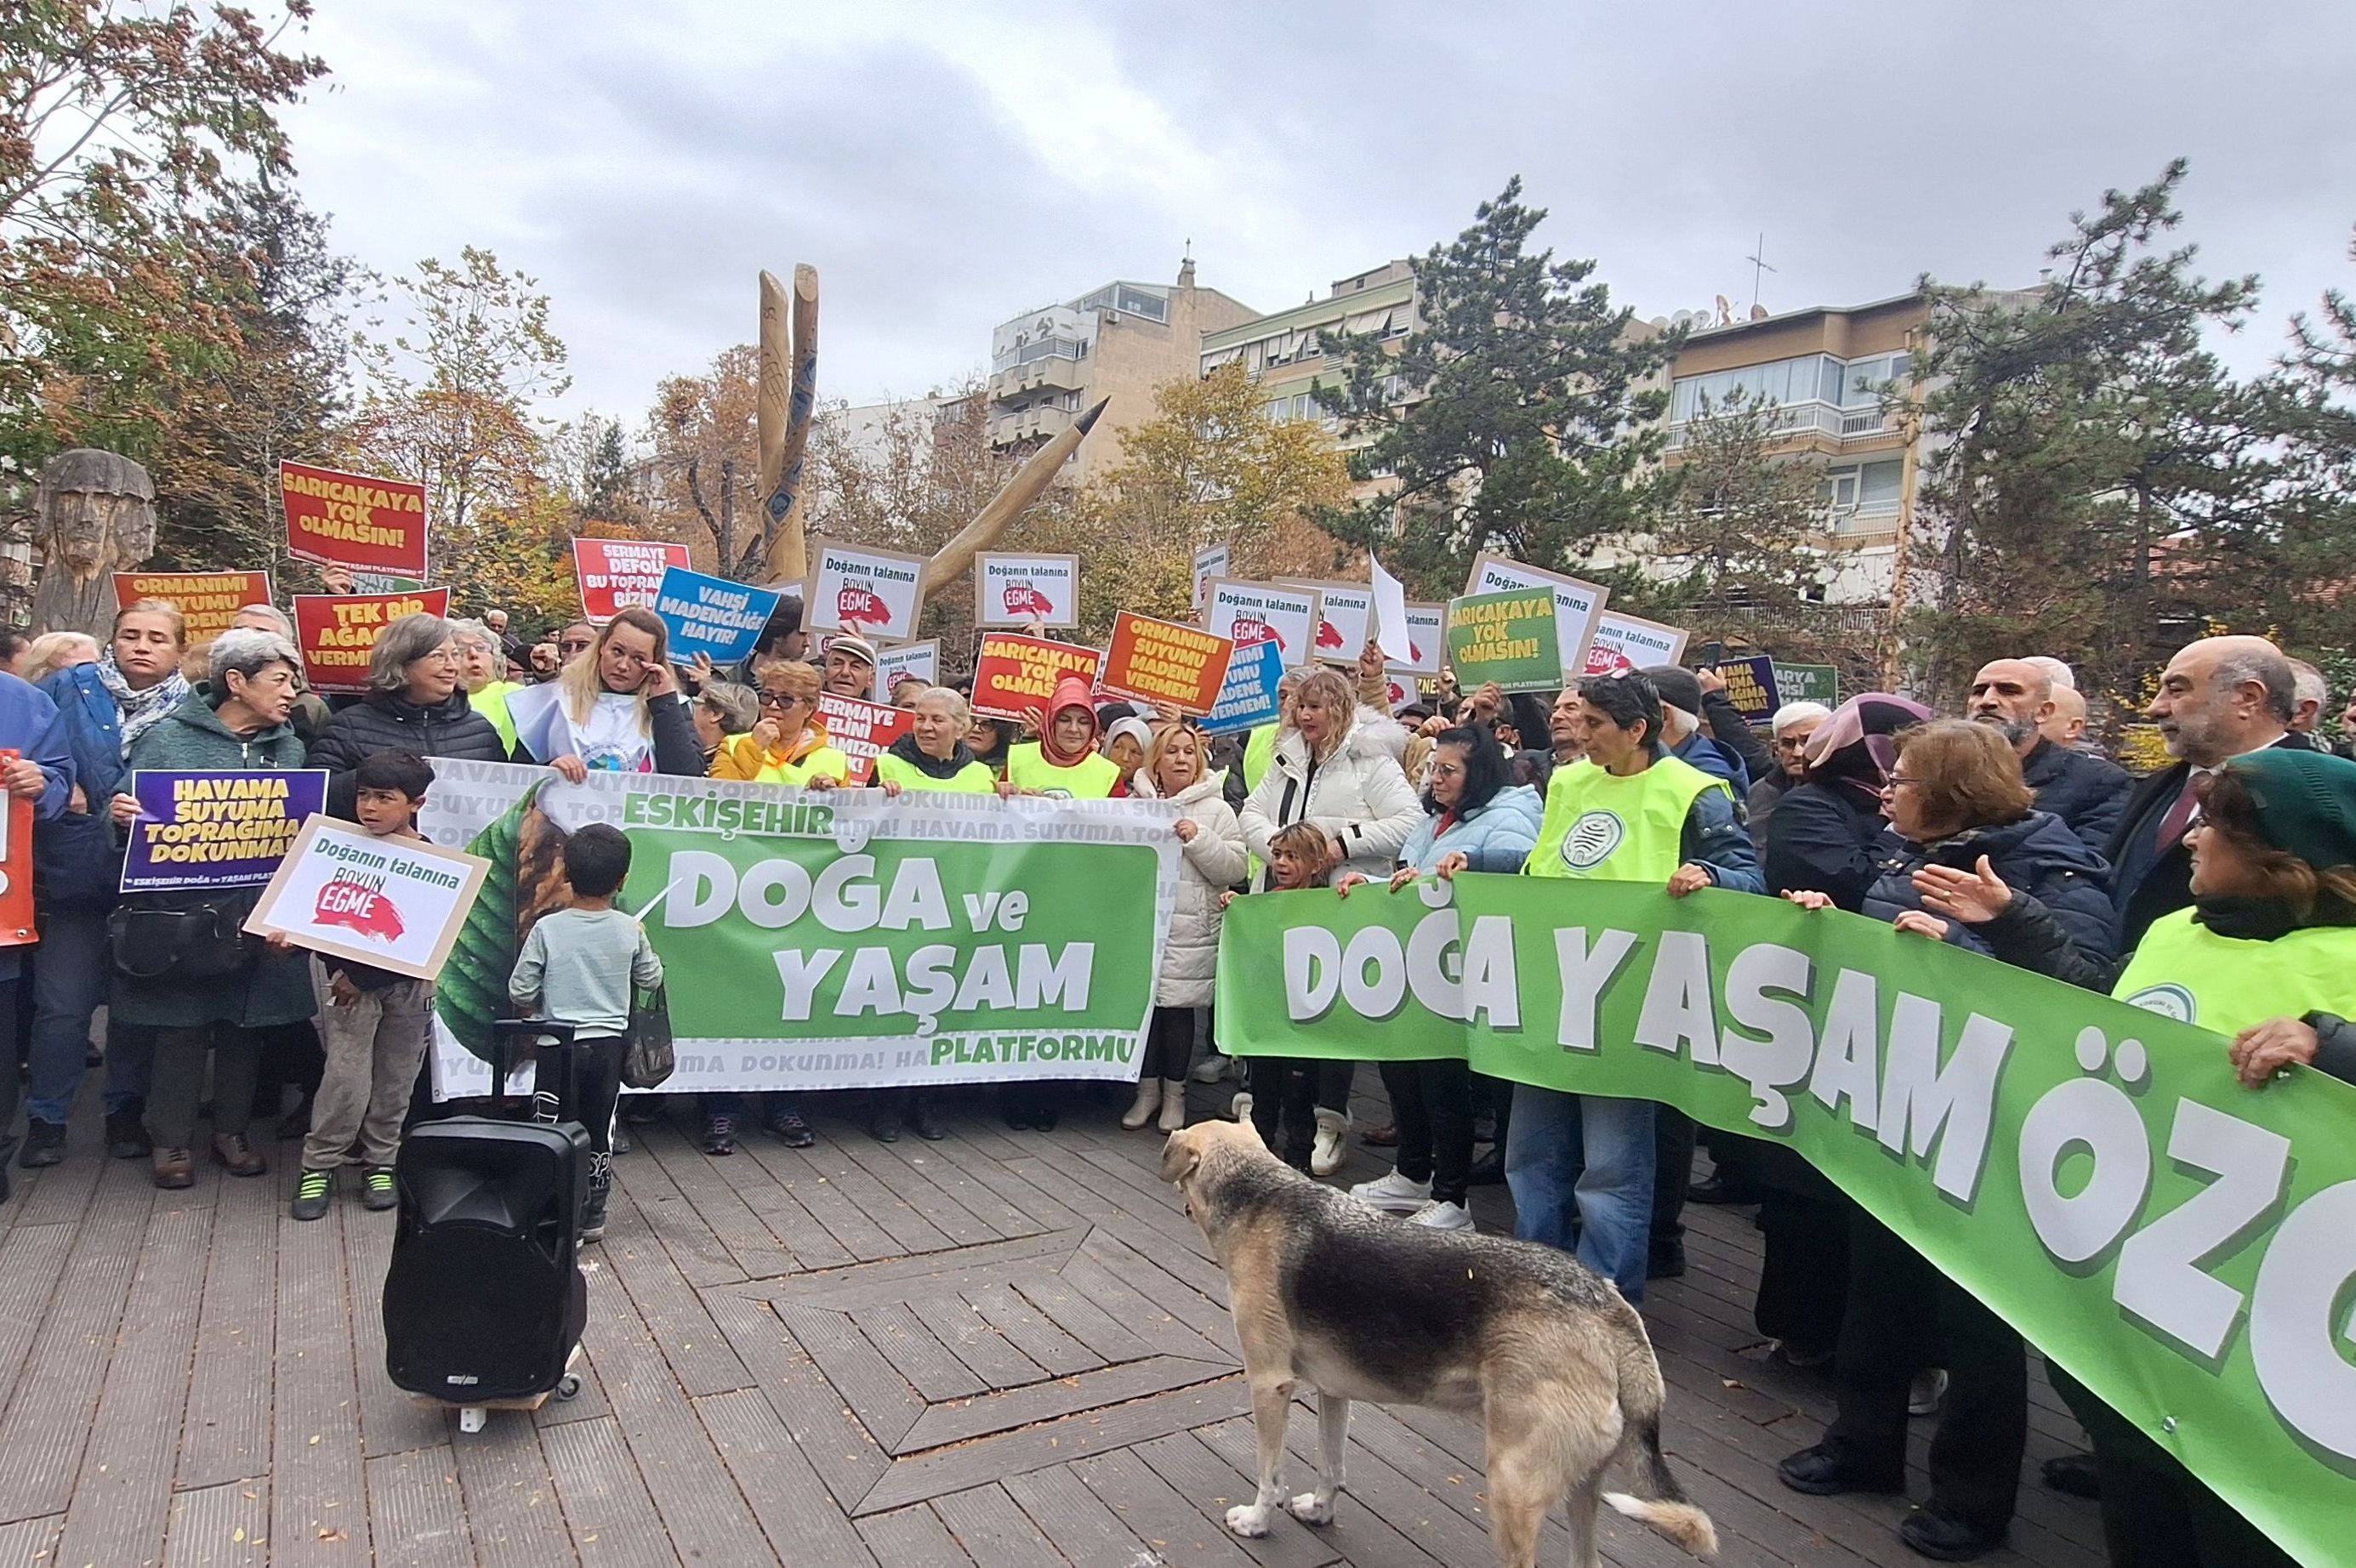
x: 274, y: 989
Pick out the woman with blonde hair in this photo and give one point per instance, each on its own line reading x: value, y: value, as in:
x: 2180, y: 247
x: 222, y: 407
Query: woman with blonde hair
x: 53, y: 651
x: 1211, y: 860
x: 788, y: 744
x: 615, y: 707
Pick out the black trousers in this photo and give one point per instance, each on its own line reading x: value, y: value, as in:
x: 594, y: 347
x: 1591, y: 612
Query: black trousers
x: 589, y: 1093
x: 1904, y: 1315
x: 1804, y: 1281
x: 1286, y: 1094
x: 1169, y: 1045
x: 178, y: 1080
x: 1673, y: 1154
x: 1432, y: 1105
x: 2156, y: 1513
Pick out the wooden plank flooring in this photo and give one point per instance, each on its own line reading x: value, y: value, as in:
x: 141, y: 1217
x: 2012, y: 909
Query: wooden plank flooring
x: 1008, y: 1349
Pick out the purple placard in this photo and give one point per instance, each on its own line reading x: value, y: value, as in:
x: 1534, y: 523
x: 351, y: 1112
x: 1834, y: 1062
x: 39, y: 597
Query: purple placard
x: 216, y: 830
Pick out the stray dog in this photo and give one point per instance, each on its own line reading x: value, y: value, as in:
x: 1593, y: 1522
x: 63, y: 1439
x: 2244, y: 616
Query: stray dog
x: 1330, y: 1295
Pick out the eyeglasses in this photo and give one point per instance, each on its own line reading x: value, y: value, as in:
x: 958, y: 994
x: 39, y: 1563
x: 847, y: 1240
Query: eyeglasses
x: 579, y: 647
x: 780, y: 700
x: 1894, y: 782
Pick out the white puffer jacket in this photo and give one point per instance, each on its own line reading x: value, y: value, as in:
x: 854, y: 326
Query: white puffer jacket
x: 1208, y: 865
x: 1359, y: 796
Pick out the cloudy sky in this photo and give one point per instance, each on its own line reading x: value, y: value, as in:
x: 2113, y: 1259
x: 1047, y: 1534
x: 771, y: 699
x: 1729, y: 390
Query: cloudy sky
x: 948, y: 166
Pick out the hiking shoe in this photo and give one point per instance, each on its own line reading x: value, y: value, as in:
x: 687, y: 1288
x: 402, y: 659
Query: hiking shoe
x: 720, y: 1135
x: 1441, y: 1215
x: 126, y: 1133
x: 788, y: 1129
x: 234, y: 1154
x: 312, y: 1190
x: 1393, y: 1193
x: 377, y: 1190
x: 45, y: 1144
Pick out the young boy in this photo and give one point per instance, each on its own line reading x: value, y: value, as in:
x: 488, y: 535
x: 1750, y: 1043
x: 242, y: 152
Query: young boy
x: 579, y: 967
x: 373, y: 1023
x: 1287, y: 1092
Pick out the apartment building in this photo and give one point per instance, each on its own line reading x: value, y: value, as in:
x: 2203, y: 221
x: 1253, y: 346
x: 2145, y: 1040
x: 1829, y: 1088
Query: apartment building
x: 1289, y: 352
x: 1122, y: 341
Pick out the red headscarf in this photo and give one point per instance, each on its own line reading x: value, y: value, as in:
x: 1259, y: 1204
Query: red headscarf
x: 1070, y: 692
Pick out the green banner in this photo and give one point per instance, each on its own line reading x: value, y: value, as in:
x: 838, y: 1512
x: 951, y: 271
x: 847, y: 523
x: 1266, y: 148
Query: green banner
x: 1806, y: 683
x: 1509, y: 639
x: 830, y: 940
x: 2094, y: 1172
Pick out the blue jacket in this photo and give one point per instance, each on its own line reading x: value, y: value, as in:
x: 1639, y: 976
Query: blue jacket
x: 2037, y: 854
x: 1716, y: 760
x: 76, y: 864
x: 1497, y: 837
x: 29, y: 726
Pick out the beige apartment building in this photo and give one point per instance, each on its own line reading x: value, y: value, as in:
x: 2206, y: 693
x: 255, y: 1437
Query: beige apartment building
x: 1287, y: 352
x: 1122, y: 341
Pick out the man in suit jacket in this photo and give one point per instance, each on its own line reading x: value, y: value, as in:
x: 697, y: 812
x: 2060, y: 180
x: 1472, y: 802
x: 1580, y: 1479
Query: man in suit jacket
x: 2219, y: 697
x: 2017, y: 698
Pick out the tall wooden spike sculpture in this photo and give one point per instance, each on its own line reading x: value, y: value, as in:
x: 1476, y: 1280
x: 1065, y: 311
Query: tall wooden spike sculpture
x: 991, y: 522
x: 787, y: 398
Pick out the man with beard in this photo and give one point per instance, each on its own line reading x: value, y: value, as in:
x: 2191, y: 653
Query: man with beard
x: 2089, y: 795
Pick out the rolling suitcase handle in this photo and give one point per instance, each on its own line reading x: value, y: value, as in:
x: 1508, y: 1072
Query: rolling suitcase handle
x: 506, y: 1029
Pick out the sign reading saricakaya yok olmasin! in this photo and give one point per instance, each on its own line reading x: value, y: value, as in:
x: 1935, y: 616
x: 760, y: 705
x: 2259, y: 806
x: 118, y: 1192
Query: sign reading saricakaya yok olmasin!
x: 827, y: 939
x: 2184, y: 1246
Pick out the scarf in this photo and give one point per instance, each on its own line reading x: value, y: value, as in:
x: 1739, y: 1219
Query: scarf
x: 141, y: 711
x: 931, y: 766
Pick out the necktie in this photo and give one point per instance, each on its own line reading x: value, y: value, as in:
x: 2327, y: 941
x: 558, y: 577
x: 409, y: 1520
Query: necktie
x: 2180, y: 817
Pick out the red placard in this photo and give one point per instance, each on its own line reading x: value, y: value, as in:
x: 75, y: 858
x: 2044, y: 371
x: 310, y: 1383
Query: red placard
x: 16, y: 926
x: 354, y: 520
x: 861, y: 730
x: 207, y: 601
x: 337, y: 632
x: 1013, y: 675
x: 1174, y: 668
x: 616, y: 573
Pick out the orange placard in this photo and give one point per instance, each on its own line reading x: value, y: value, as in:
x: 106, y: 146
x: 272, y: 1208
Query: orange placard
x: 16, y: 927
x: 338, y: 631
x: 354, y: 520
x: 1014, y: 675
x: 1178, y: 669
x: 207, y: 601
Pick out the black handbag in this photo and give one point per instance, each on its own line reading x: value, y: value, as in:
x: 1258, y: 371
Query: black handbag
x: 648, y: 1061
x: 192, y: 942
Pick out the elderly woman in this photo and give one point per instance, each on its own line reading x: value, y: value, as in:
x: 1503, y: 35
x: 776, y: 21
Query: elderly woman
x: 1211, y: 860
x: 482, y: 666
x: 724, y: 709
x: 933, y: 754
x: 789, y: 744
x: 2266, y: 956
x: 1957, y: 801
x: 53, y: 651
x: 180, y: 964
x: 415, y: 703
x: 616, y: 708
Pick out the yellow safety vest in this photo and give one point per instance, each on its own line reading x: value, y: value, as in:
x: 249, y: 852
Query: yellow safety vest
x: 1259, y: 755
x: 1619, y: 830
x: 1091, y: 778
x: 2188, y: 972
x: 974, y: 778
x: 491, y: 702
x: 741, y: 757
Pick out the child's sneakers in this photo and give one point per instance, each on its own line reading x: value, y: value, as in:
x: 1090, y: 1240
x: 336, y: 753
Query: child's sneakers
x: 312, y: 1190
x: 377, y: 1190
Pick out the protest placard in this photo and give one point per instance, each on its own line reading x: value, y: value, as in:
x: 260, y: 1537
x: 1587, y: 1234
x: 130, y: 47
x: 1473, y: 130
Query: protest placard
x: 1248, y: 697
x: 874, y: 592
x: 1631, y: 642
x: 1014, y: 674
x: 861, y: 730
x: 922, y: 660
x: 207, y: 601
x: 353, y: 520
x: 1427, y: 639
x: 1016, y: 589
x: 1808, y: 683
x: 1174, y: 668
x: 16, y: 915
x: 1576, y: 603
x: 1750, y: 686
x: 336, y: 633
x: 385, y: 582
x: 1344, y: 615
x: 1387, y: 617
x: 216, y: 830
x: 1508, y: 638
x: 394, y: 903
x: 707, y: 614
x: 615, y: 574
x: 1258, y: 612
x: 1209, y: 562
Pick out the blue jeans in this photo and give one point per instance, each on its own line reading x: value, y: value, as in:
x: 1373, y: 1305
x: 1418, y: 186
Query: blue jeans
x: 1581, y: 1168
x: 70, y: 969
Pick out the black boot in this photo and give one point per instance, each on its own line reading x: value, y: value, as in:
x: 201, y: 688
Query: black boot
x: 601, y: 1185
x: 126, y: 1133
x: 921, y: 1123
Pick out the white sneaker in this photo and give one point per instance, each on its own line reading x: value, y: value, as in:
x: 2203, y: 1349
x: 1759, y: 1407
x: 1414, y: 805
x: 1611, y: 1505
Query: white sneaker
x: 1393, y: 1193
x: 1928, y: 1392
x: 1140, y: 1110
x: 1211, y: 1069
x: 1327, y: 1153
x: 1439, y: 1216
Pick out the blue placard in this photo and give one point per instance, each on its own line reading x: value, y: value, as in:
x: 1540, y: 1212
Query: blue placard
x: 1248, y: 698
x: 711, y: 615
x: 216, y: 830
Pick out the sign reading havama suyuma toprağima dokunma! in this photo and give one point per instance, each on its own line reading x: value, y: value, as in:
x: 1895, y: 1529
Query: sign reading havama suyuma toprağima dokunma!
x: 830, y: 940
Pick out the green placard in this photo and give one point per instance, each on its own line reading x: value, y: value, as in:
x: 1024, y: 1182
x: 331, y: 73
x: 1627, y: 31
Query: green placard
x: 1808, y: 683
x: 1508, y: 638
x: 2184, y: 1246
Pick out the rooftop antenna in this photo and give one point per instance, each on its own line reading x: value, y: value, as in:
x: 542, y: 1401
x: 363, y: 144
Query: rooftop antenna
x: 1758, y: 266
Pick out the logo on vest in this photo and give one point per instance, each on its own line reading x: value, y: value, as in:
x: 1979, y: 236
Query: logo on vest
x: 2169, y: 1001
x: 1591, y: 840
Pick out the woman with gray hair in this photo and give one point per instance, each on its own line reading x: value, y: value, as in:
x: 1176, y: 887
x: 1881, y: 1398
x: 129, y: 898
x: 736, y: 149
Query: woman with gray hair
x: 416, y: 702
x: 180, y: 967
x: 481, y: 664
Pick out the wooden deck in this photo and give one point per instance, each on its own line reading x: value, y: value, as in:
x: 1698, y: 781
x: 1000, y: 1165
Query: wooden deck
x: 1004, y: 1348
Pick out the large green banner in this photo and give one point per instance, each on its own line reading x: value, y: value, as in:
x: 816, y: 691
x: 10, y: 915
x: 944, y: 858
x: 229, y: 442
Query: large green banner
x: 2183, y: 1246
x: 830, y: 940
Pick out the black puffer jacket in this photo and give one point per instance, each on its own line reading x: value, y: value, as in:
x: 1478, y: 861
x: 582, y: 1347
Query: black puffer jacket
x: 2089, y: 795
x: 2036, y: 855
x: 384, y: 723
x: 1822, y: 838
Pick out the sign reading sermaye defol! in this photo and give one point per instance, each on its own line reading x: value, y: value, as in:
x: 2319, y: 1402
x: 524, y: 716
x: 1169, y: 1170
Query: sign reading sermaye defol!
x: 2091, y: 1171
x: 836, y: 940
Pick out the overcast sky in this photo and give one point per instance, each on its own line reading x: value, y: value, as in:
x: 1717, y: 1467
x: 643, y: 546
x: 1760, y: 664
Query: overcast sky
x: 947, y: 166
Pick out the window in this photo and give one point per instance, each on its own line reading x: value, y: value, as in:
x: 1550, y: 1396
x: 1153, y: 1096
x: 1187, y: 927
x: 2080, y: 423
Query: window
x: 1878, y: 484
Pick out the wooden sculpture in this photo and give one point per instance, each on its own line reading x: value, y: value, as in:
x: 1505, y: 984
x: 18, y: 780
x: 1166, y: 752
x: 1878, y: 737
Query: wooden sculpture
x: 93, y: 514
x: 786, y: 402
x: 1035, y: 475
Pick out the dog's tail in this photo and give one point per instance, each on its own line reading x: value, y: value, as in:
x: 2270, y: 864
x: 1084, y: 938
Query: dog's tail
x: 1658, y: 1501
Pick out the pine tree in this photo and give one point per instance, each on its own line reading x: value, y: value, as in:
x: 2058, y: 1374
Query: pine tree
x: 1733, y: 549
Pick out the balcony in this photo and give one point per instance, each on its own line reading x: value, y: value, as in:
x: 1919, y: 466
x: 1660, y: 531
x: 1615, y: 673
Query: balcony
x: 1031, y: 424
x: 1052, y: 373
x: 1830, y: 419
